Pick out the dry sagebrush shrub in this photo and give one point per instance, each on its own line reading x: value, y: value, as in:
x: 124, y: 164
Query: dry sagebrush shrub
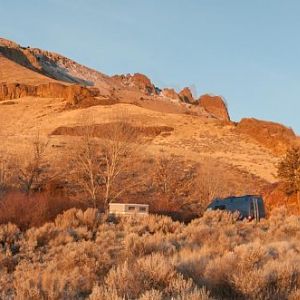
x: 82, y: 256
x: 196, y: 294
x: 10, y: 234
x: 150, y: 272
x: 101, y: 292
x: 150, y: 224
x: 71, y: 272
x: 138, y: 246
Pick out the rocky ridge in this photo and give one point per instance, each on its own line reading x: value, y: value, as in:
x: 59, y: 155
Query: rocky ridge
x: 186, y: 95
x: 215, y: 105
x: 57, y: 67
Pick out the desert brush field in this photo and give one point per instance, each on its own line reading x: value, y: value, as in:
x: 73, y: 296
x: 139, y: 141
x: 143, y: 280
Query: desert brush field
x: 83, y: 255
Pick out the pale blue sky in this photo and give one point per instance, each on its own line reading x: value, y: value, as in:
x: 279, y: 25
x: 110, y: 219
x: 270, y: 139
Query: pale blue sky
x: 245, y: 50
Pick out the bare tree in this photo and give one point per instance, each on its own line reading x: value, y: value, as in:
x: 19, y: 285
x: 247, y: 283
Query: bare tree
x: 183, y: 185
x: 104, y: 165
x: 210, y: 185
x: 33, y: 168
x: 174, y: 181
x: 118, y: 152
x: 87, y: 165
x: 289, y: 171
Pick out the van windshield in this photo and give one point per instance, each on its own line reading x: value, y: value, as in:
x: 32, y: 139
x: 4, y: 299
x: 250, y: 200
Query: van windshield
x: 220, y: 207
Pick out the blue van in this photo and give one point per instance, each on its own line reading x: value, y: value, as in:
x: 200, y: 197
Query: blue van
x: 249, y: 206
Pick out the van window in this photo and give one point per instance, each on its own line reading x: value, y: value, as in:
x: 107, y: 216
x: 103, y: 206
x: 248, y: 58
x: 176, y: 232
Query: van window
x: 220, y: 207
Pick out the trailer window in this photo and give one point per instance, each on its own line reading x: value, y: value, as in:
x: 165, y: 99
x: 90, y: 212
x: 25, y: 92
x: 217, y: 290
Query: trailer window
x: 131, y: 208
x: 142, y: 209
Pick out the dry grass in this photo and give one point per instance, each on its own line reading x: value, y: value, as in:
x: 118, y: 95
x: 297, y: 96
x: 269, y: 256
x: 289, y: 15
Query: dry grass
x: 195, y: 138
x: 82, y: 256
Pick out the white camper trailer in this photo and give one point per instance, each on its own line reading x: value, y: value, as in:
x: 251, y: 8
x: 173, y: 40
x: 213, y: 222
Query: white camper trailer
x: 128, y: 209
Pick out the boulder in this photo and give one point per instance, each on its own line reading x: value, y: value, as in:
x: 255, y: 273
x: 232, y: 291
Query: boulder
x: 143, y: 83
x: 186, y: 95
x: 136, y: 81
x: 215, y: 105
x: 170, y: 93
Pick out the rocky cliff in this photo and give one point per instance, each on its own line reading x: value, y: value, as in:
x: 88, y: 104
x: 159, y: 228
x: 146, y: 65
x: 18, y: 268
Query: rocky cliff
x: 74, y: 94
x: 136, y: 81
x: 215, y: 105
x: 186, y: 95
x: 170, y: 93
x: 38, y: 67
x: 55, y: 66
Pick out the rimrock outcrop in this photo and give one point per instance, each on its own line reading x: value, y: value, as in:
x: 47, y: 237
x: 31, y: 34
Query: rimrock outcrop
x: 72, y: 93
x: 186, y: 95
x: 215, y: 105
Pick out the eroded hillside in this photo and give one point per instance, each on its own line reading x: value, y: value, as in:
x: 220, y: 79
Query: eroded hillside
x: 195, y: 138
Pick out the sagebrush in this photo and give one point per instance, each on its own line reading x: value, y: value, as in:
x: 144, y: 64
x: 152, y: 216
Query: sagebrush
x: 83, y: 256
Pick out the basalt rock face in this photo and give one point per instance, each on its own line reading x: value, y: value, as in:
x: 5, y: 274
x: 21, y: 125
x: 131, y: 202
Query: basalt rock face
x: 7, y: 43
x: 143, y: 83
x: 72, y: 93
x: 215, y: 105
x: 21, y: 56
x: 54, y: 66
x: 186, y: 95
x: 10, y: 91
x: 170, y: 93
x: 274, y: 136
x: 136, y: 81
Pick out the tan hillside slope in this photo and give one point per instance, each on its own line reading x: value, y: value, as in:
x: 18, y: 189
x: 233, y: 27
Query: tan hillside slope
x: 276, y: 137
x: 197, y: 139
